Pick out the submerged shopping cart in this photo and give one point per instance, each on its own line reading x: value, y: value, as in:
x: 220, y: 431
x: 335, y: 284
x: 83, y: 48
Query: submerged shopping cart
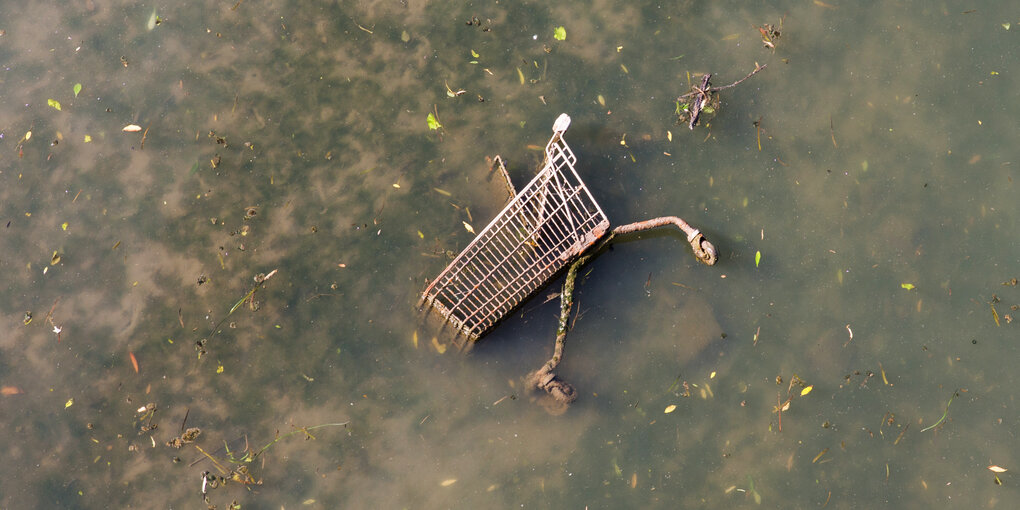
x: 545, y: 226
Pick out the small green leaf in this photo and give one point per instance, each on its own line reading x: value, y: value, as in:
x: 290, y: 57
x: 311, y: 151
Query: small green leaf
x: 908, y: 286
x: 474, y: 54
x: 757, y: 258
x: 77, y: 89
x: 708, y: 109
x: 433, y: 122
x: 560, y: 34
x: 54, y: 103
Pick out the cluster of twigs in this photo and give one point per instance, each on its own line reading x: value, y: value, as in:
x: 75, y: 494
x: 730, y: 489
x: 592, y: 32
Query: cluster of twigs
x: 234, y: 468
x: 691, y: 104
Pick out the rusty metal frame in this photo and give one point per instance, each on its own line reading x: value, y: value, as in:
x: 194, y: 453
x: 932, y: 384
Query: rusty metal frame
x: 548, y: 223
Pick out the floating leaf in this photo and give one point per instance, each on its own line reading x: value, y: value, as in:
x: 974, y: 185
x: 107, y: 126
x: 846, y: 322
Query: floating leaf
x: 14, y: 390
x: 474, y: 54
x: 996, y: 469
x: 560, y: 34
x: 131, y: 128
x: 908, y: 286
x: 806, y: 390
x: 757, y: 258
x: 433, y: 122
x: 69, y: 403
x: 414, y: 338
x: 670, y: 408
x: 134, y: 361
x: 219, y: 369
x: 88, y: 138
x: 64, y: 225
x: 1006, y: 26
x: 54, y: 103
x: 468, y: 227
x: 440, y: 348
x: 77, y: 89
x: 449, y: 482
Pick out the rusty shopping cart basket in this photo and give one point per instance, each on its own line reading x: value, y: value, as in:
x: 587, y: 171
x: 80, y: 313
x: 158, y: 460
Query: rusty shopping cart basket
x: 545, y: 226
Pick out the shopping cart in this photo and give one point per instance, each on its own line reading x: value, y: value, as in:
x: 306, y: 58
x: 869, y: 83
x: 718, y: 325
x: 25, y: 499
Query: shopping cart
x: 546, y: 225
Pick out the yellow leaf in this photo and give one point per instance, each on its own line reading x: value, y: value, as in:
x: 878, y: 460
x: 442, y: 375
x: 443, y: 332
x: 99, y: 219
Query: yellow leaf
x: 440, y: 348
x: 88, y: 138
x: 448, y: 482
x: 70, y: 402
x: 63, y: 225
x: 414, y: 338
x: 670, y: 408
x: 996, y: 469
x: 468, y: 227
x: 219, y: 369
x: 908, y: 286
x: 806, y: 390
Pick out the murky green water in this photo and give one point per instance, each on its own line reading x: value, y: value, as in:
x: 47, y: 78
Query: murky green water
x: 292, y: 137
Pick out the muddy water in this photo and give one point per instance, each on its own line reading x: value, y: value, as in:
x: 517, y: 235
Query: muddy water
x: 871, y: 173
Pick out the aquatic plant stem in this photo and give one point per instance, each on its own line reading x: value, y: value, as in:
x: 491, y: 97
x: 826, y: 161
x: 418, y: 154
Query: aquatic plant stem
x: 945, y: 413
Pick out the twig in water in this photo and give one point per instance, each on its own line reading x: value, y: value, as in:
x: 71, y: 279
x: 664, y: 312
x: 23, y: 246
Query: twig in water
x: 702, y: 94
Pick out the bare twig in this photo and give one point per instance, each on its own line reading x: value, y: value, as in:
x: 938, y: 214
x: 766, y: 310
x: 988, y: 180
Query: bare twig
x: 703, y: 94
x: 757, y: 68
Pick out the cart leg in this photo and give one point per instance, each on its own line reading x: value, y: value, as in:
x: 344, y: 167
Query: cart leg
x: 497, y: 162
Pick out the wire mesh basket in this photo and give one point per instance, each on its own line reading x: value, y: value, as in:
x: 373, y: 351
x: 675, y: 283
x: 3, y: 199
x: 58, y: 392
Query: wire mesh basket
x: 550, y: 221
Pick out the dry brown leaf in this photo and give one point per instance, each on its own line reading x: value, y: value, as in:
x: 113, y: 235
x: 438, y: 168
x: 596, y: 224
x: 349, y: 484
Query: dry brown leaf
x: 10, y: 390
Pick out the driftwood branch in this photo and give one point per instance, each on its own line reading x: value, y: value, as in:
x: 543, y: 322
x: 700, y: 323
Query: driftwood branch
x: 544, y: 378
x: 702, y: 94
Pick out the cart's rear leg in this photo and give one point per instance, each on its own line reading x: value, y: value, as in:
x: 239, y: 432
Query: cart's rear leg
x: 497, y: 162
